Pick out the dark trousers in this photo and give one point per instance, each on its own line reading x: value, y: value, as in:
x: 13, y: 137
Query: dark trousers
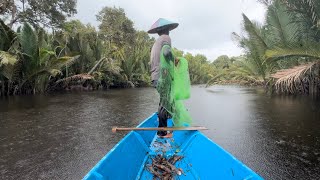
x: 163, y: 116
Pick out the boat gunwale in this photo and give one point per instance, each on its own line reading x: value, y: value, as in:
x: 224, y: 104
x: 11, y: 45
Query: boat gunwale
x: 99, y: 163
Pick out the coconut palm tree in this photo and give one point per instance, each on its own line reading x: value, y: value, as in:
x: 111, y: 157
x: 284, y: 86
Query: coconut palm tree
x: 298, y: 42
x: 255, y: 42
x: 31, y: 67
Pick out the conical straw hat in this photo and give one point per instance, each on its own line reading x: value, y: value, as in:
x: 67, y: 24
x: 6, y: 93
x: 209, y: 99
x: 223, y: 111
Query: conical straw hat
x: 162, y: 24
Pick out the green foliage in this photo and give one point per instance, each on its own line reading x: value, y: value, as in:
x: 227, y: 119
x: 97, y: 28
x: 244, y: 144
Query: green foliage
x: 238, y: 71
x: 222, y: 62
x: 255, y: 43
x: 115, y: 27
x: 199, y: 68
x: 135, y: 65
x: 74, y: 26
x: 307, y: 10
x: 7, y: 63
x: 49, y: 13
x: 116, y: 55
x: 279, y: 26
x: 38, y: 63
x: 289, y: 39
x: 6, y: 35
x: 31, y: 65
x: 177, y: 52
x: 33, y: 60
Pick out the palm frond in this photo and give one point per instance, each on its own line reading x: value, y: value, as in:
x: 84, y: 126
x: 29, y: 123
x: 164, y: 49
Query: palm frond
x: 279, y: 53
x: 62, y: 62
x: 7, y: 58
x: 7, y: 35
x: 44, y: 55
x: 96, y: 65
x: 254, y: 31
x: 29, y: 43
x: 310, y: 9
x: 214, y: 79
x: 303, y: 79
x: 8, y: 65
x: 279, y: 26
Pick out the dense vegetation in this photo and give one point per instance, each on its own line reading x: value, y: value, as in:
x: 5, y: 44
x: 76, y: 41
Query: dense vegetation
x: 288, y: 39
x: 73, y: 55
x: 40, y: 51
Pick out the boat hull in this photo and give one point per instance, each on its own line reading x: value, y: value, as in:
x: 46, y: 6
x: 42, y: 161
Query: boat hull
x: 202, y: 158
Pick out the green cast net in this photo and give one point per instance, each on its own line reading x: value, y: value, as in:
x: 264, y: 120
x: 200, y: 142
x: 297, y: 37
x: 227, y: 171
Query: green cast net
x: 174, y: 87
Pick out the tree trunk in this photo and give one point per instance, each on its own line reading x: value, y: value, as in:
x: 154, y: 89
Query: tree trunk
x: 14, y: 17
x: 2, y: 88
x: 15, y: 90
x: 8, y: 91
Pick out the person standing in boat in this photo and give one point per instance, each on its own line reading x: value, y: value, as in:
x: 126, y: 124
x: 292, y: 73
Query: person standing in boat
x: 162, y: 64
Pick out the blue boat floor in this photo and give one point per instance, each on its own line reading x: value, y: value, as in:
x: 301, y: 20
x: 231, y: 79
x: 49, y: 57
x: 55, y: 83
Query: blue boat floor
x: 167, y: 148
x: 131, y: 157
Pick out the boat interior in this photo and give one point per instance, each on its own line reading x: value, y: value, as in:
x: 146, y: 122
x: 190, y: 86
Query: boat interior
x: 201, y: 158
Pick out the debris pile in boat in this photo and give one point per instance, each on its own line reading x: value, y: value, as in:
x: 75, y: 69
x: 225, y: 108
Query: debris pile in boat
x: 163, y: 168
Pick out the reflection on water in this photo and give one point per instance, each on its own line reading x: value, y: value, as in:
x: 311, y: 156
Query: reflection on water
x: 62, y: 136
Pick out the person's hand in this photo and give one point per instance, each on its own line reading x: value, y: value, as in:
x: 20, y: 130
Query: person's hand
x: 168, y: 54
x: 176, y: 61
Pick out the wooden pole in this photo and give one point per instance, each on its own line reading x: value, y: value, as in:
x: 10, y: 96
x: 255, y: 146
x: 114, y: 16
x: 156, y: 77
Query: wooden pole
x: 115, y: 129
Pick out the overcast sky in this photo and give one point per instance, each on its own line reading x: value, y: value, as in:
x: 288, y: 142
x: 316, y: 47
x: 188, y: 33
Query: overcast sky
x: 205, y: 26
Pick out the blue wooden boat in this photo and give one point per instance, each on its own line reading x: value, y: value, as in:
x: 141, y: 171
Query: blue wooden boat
x: 202, y: 158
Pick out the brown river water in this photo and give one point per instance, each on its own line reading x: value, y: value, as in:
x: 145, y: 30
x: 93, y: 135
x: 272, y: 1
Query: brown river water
x: 62, y: 136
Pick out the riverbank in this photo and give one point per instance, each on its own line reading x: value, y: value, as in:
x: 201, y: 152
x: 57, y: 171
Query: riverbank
x: 240, y: 83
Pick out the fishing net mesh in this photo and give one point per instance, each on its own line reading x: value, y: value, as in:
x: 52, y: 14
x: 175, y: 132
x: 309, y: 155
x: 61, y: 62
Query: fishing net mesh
x: 174, y: 87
